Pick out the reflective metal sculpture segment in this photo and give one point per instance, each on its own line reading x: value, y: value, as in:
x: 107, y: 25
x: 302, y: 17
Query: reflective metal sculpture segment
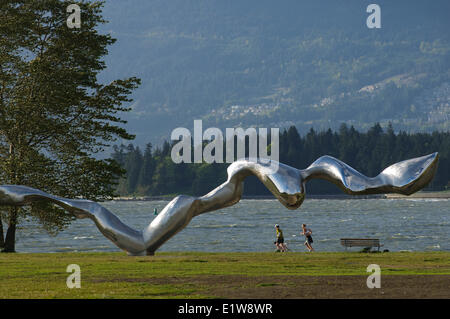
x: 286, y: 183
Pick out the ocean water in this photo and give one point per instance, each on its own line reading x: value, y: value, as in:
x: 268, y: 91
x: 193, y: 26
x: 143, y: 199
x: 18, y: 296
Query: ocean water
x: 400, y: 224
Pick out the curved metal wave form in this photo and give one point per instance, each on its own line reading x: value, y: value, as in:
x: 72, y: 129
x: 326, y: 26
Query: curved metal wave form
x: 286, y: 183
x: 406, y: 177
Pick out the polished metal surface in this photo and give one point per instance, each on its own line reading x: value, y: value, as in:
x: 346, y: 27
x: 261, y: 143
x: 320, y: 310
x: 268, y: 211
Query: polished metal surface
x: 286, y: 183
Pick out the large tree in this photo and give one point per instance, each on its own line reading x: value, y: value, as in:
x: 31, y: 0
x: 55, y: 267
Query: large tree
x: 54, y: 114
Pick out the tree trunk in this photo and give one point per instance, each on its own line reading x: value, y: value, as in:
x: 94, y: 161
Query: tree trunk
x: 2, y: 239
x: 10, y: 239
x: 9, y: 245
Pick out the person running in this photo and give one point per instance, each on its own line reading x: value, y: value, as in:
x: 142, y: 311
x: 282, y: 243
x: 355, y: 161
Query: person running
x: 308, y: 232
x: 281, y: 246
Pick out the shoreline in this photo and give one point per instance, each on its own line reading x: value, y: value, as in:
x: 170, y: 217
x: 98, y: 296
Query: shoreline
x: 418, y: 195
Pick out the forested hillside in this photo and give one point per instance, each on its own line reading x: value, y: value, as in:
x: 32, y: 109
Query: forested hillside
x: 281, y: 63
x: 152, y: 171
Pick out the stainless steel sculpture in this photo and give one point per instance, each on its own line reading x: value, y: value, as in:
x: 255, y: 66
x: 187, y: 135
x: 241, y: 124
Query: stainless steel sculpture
x: 286, y: 183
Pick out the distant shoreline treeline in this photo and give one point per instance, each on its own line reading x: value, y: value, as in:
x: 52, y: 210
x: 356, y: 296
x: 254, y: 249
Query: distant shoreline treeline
x: 151, y: 172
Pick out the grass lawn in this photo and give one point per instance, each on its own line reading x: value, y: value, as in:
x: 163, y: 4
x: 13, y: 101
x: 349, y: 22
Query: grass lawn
x: 226, y: 275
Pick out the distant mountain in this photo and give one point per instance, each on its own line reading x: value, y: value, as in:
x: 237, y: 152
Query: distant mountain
x: 280, y: 63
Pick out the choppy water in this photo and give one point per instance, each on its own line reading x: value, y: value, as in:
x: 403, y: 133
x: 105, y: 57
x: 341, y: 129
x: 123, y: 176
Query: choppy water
x: 413, y: 224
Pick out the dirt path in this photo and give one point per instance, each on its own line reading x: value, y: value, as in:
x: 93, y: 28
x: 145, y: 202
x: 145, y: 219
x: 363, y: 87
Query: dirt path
x: 261, y: 287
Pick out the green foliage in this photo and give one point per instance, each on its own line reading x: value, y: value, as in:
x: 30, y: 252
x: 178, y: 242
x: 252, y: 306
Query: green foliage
x: 368, y: 152
x: 54, y: 114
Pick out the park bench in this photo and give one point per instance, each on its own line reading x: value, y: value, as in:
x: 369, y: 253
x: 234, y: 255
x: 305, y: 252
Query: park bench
x: 361, y: 242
